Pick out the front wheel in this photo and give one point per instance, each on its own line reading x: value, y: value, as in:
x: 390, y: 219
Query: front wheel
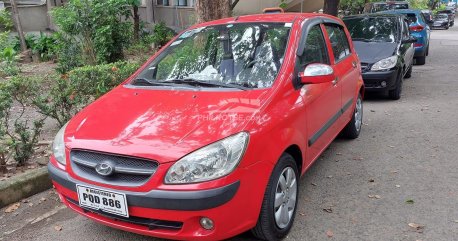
x: 280, y: 200
x: 353, y: 128
x: 395, y: 94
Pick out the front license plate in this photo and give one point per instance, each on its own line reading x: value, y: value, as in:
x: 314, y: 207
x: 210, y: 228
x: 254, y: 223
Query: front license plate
x: 107, y: 201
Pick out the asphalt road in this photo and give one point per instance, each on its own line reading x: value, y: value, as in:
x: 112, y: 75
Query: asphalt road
x: 408, y: 150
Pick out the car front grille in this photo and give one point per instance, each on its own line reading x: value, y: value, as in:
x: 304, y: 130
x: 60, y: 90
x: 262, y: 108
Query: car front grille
x: 364, y: 67
x: 127, y: 171
x: 151, y: 224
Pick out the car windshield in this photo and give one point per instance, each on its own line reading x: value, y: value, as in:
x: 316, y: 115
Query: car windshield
x: 411, y: 17
x: 372, y: 29
x: 442, y: 16
x: 380, y: 7
x: 245, y: 54
x: 399, y: 6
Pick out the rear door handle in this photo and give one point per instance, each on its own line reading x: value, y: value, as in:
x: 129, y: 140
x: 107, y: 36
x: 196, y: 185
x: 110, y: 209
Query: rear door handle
x: 335, y: 81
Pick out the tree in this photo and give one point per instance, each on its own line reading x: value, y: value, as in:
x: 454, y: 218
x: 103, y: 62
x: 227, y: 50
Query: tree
x: 135, y: 4
x: 331, y: 7
x: 208, y: 10
x: 18, y: 25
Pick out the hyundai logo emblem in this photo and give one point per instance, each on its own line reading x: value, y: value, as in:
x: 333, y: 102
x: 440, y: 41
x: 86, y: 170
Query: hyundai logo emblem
x: 104, y: 168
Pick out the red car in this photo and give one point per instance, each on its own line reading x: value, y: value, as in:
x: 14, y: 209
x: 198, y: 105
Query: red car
x: 209, y: 138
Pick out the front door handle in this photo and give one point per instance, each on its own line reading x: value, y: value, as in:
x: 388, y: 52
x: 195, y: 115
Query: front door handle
x: 354, y: 64
x: 335, y: 81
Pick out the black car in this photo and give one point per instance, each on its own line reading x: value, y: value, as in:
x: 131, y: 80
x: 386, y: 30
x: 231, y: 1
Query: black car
x: 385, y: 48
x: 428, y: 14
x: 441, y: 21
x: 451, y: 15
x: 375, y: 7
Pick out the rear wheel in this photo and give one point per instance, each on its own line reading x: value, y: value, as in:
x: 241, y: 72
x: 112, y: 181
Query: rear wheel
x: 280, y: 199
x: 353, y: 128
x: 395, y: 94
x: 420, y: 60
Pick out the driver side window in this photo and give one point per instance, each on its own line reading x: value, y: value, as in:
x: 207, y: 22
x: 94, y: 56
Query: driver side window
x: 315, y: 50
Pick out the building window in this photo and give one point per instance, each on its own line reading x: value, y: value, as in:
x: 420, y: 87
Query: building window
x: 163, y: 2
x: 182, y: 3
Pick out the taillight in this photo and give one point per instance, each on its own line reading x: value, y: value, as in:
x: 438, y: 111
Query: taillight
x: 417, y: 45
x: 416, y: 28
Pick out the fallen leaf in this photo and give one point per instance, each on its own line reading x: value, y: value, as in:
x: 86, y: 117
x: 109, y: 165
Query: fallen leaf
x: 329, y: 233
x: 358, y: 158
x: 410, y: 201
x: 371, y: 196
x: 417, y: 226
x: 30, y: 204
x: 329, y: 176
x: 371, y: 180
x: 339, y: 154
x: 328, y: 210
x: 302, y: 214
x: 456, y: 221
x: 58, y: 228
x: 372, y: 110
x: 391, y: 146
x: 398, y: 186
x: 313, y: 184
x: 43, y: 199
x: 377, y: 196
x: 12, y: 208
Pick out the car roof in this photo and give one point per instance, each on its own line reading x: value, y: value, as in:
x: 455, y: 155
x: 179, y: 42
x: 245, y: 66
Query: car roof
x: 370, y: 15
x: 416, y: 11
x: 269, y: 17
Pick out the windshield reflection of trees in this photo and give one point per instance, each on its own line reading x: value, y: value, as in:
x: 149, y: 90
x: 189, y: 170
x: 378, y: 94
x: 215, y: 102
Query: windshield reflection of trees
x: 244, y: 54
x: 372, y: 29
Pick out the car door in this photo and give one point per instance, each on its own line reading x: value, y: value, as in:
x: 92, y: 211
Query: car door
x: 323, y: 100
x: 345, y: 65
x: 407, y: 49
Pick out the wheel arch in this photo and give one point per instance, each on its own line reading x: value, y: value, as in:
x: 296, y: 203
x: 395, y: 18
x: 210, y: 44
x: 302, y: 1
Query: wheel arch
x: 295, y: 151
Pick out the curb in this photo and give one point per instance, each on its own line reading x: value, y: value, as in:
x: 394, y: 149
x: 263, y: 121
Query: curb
x: 24, y: 185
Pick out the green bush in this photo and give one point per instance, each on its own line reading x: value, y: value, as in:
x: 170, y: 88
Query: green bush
x: 17, y: 134
x: 97, y: 28
x: 71, y: 92
x: 69, y: 53
x: 8, y: 62
x: 44, y: 46
x: 161, y: 35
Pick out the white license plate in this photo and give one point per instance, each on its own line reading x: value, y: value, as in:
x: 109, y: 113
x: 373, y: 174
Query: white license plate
x: 107, y: 201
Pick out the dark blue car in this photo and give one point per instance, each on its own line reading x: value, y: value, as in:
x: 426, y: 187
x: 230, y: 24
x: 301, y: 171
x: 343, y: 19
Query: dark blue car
x: 419, y: 29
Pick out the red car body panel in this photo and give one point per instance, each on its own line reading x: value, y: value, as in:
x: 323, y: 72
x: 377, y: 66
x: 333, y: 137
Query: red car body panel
x: 165, y: 125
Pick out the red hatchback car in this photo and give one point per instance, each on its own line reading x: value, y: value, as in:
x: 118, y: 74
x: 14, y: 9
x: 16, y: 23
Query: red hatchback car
x: 210, y: 137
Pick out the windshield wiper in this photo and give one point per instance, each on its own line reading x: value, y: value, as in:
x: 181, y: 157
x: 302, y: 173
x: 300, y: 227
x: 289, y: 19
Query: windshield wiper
x: 362, y: 39
x: 193, y: 81
x: 143, y: 81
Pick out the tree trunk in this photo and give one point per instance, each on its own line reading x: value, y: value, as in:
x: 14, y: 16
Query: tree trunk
x: 331, y: 7
x: 136, y: 24
x: 18, y: 25
x: 208, y: 10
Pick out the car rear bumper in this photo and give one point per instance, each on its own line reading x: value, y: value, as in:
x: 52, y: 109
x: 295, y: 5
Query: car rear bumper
x: 373, y: 81
x: 172, y: 214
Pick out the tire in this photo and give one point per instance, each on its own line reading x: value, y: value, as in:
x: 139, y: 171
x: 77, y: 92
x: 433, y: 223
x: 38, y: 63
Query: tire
x: 427, y: 51
x: 409, y: 72
x: 420, y: 60
x: 395, y: 94
x: 268, y: 228
x: 353, y: 128
x: 446, y: 28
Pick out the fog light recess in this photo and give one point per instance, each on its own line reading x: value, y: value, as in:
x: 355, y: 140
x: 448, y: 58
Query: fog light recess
x: 206, y: 223
x: 383, y: 84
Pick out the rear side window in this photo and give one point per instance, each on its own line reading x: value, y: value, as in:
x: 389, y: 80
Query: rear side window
x: 412, y: 17
x: 315, y: 48
x: 339, y: 42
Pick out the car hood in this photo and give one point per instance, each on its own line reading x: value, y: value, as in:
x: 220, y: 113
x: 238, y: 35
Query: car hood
x: 441, y: 21
x: 163, y: 125
x: 371, y: 52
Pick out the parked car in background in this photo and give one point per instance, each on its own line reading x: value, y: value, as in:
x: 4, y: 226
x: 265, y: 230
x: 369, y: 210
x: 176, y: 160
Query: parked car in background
x: 375, y: 7
x: 428, y: 14
x: 451, y: 15
x: 419, y: 29
x: 441, y: 20
x: 385, y: 48
x: 210, y: 137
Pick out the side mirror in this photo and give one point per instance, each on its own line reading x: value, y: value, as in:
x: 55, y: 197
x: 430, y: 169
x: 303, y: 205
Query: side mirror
x: 317, y: 74
x: 409, y: 40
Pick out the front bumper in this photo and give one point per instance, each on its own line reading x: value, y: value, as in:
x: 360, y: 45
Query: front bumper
x: 373, y: 80
x: 173, y: 214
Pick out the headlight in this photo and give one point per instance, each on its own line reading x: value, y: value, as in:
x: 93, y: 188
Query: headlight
x: 210, y: 162
x: 58, y: 146
x: 385, y: 64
